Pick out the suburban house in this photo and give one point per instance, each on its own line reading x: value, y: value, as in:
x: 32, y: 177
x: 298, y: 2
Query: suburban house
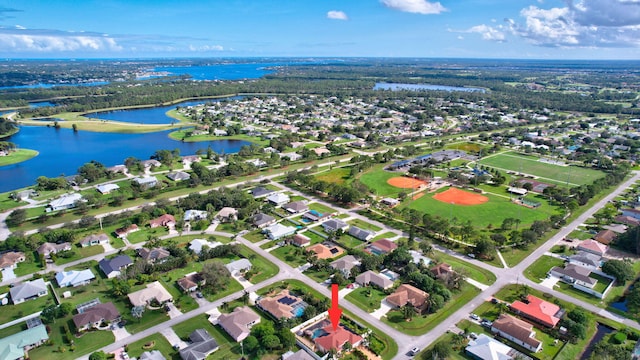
x: 300, y: 240
x: 201, y: 346
x: 517, y: 331
x: 146, y: 182
x: 64, y: 202
x: 442, y: 271
x: 112, y: 267
x: 17, y: 346
x: 605, y: 236
x: 336, y: 339
x: 407, y: 294
x: 10, y: 260
x: 361, y: 234
x: 263, y: 220
x: 194, y: 215
x: 118, y: 169
x: 320, y: 151
x: 94, y: 239
x: 277, y: 231
x: 153, y: 291
x: 487, y: 348
x: 96, y: 315
x: 627, y: 220
x: 585, y: 259
x: 256, y: 162
x: 283, y: 305
x: 259, y: 192
x: 23, y: 195
x: 581, y: 278
x: 345, y: 264
x: 28, y: 290
x: 124, y: 231
x: 74, y: 278
x: 370, y: 277
x: 291, y: 155
x: 189, y: 159
x: 382, y: 246
x: 155, y: 255
x: 594, y: 247
x: 178, y: 176
x: 333, y: 225
x: 190, y: 282
x: 239, y: 322
x: 419, y: 258
x: 323, y: 251
x: 166, y: 220
x: 152, y: 355
x: 147, y: 164
x: 238, y: 266
x: 45, y: 250
x: 314, y: 215
x: 278, y: 199
x: 107, y: 188
x: 538, y: 310
x: 298, y: 355
x: 227, y: 214
x: 296, y: 207
x: 196, y: 245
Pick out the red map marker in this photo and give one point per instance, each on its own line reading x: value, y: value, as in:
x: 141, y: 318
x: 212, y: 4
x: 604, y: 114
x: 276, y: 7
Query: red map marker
x: 334, y: 312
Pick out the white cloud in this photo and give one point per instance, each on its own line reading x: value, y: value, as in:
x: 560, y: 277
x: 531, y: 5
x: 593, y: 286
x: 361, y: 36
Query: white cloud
x: 582, y: 23
x: 488, y: 32
x: 204, y: 48
x: 19, y: 39
x: 337, y: 15
x: 415, y: 6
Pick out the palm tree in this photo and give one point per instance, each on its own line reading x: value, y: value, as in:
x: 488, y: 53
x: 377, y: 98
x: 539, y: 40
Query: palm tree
x: 408, y: 312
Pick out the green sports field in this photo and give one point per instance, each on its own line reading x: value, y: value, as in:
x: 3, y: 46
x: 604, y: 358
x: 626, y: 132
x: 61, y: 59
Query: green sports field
x: 492, y: 212
x: 376, y: 179
x: 530, y: 165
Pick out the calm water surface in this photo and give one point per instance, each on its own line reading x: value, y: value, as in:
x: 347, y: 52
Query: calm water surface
x: 62, y: 151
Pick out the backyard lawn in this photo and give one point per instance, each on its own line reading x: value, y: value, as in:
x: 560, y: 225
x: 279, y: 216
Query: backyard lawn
x: 538, y: 270
x: 150, y: 343
x: 290, y: 254
x: 475, y: 272
x: 363, y: 225
x: 366, y: 298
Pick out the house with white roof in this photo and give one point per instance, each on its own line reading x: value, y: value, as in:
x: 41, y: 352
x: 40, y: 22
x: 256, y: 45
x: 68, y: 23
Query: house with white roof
x: 196, y: 245
x: 146, y: 182
x: 28, y: 290
x: 74, y: 278
x: 194, y: 215
x: 277, y: 231
x: 238, y: 266
x: 107, y: 188
x: 278, y: 199
x: 64, y: 202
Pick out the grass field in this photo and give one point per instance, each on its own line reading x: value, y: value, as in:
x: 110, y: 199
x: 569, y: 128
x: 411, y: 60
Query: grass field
x: 465, y: 146
x: 530, y: 165
x: 150, y: 343
x: 181, y: 135
x: 87, y: 124
x: 376, y: 179
x: 365, y: 300
x: 336, y: 176
x: 17, y: 156
x: 475, y: 272
x: 537, y: 271
x: 492, y: 212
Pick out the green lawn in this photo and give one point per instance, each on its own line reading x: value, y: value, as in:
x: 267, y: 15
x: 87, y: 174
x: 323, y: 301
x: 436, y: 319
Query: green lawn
x: 421, y: 324
x: 475, y: 272
x: 335, y: 176
x: 366, y: 298
x: 492, y: 212
x: 530, y: 165
x: 290, y: 254
x: 349, y: 241
x: 321, y: 208
x: 12, y: 312
x: 465, y: 146
x: 150, y: 343
x: 376, y: 179
x: 364, y: 225
x: 386, y: 235
x: 265, y: 269
x: 85, y: 344
x: 80, y: 253
x: 254, y: 236
x: 538, y: 270
x: 17, y: 156
x: 144, y: 233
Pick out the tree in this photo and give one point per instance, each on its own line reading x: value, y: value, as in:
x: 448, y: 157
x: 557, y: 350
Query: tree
x: 270, y: 342
x: 251, y: 343
x: 98, y: 355
x: 287, y: 338
x: 17, y: 217
x: 215, y: 275
x: 408, y: 312
x: 484, y: 247
x: 137, y: 312
x: 621, y: 270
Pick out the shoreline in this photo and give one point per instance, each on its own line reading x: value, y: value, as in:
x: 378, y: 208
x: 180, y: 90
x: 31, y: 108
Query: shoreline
x: 18, y: 156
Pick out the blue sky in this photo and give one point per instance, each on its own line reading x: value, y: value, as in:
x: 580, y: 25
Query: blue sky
x: 540, y: 29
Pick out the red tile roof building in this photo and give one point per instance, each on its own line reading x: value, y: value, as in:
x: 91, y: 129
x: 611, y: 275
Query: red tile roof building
x: 336, y: 339
x: 538, y: 310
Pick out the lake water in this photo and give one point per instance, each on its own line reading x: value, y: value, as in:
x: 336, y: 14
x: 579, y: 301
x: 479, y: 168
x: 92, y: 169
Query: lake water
x: 601, y: 332
x: 62, y: 151
x: 222, y: 71
x: 155, y: 115
x: 418, y: 87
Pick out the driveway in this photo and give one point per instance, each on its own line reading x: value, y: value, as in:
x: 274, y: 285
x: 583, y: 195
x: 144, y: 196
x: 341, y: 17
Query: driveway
x: 173, y: 338
x: 7, y: 274
x: 550, y: 282
x: 173, y: 311
x: 120, y: 333
x: 385, y: 307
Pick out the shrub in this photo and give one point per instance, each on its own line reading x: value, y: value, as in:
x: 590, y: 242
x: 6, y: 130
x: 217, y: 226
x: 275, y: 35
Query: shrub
x: 619, y: 338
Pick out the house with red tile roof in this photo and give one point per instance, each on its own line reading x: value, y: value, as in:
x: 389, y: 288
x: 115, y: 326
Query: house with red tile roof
x: 325, y: 252
x: 407, y: 294
x: 382, y: 246
x: 593, y: 247
x: 538, y: 310
x: 605, y: 237
x: 442, y: 270
x: 336, y: 339
x: 165, y: 220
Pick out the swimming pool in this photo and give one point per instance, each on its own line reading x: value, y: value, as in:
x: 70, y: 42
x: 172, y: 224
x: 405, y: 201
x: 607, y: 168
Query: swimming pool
x: 318, y: 333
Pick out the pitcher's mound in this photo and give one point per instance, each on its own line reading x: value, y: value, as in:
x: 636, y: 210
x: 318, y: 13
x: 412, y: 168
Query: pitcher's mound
x: 404, y: 182
x: 460, y: 197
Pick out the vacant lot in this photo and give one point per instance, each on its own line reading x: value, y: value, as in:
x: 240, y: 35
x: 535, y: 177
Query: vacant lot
x: 336, y: 176
x: 530, y: 165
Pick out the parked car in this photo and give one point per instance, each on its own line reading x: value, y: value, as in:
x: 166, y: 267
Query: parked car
x: 199, y: 295
x: 415, y: 351
x: 474, y: 317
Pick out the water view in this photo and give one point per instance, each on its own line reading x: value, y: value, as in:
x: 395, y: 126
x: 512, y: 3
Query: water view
x: 418, y: 87
x: 221, y: 71
x: 62, y: 151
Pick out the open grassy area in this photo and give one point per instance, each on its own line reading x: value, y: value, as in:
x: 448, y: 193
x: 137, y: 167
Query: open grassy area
x: 386, y: 235
x: 529, y: 164
x: 538, y: 270
x: 17, y: 156
x: 363, y: 225
x: 366, y: 298
x: 290, y: 254
x: 96, y: 125
x: 469, y: 147
x: 421, y: 324
x: 145, y: 233
x: 181, y: 135
x: 150, y: 343
x: 477, y: 273
x: 85, y: 344
x: 340, y: 175
x: 492, y: 212
x: 265, y: 269
x: 376, y: 179
x: 321, y: 208
x: 11, y: 312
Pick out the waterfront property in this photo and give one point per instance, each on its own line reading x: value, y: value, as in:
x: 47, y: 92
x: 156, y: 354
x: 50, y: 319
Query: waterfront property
x: 64, y: 202
x: 107, y: 188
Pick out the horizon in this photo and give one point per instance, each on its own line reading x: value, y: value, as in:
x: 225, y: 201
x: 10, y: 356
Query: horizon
x: 465, y: 29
